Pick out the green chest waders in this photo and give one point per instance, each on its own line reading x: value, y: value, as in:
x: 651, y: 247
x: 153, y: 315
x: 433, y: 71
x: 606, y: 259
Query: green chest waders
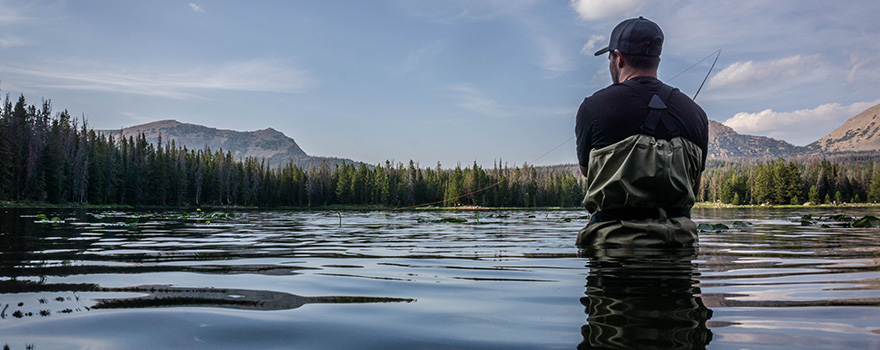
x: 640, y: 190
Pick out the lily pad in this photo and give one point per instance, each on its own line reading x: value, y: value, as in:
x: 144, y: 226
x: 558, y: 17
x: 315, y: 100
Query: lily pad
x: 712, y: 227
x: 452, y: 220
x: 867, y: 221
x: 840, y: 217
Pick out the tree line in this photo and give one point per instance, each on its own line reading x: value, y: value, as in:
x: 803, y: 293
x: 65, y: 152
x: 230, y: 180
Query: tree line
x: 852, y: 179
x: 58, y: 159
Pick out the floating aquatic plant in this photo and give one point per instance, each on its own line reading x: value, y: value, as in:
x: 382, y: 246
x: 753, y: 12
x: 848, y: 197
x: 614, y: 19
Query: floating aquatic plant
x: 840, y: 217
x: 867, y: 221
x: 839, y: 220
x: 43, y: 219
x: 712, y: 227
x: 452, y: 220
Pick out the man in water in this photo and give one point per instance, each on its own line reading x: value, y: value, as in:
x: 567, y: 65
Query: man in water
x: 642, y: 146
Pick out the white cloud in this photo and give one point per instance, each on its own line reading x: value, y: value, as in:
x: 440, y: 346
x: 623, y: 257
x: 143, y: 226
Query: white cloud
x: 599, y: 9
x: 800, y: 126
x: 11, y: 41
x: 196, y: 8
x: 456, y: 11
x: 590, y: 47
x: 753, y: 73
x: 265, y: 76
x: 858, y: 60
x: 475, y: 100
x: 415, y: 58
x: 9, y: 13
x: 554, y: 56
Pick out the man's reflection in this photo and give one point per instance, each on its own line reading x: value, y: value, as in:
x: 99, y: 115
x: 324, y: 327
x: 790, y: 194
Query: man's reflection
x: 643, y: 298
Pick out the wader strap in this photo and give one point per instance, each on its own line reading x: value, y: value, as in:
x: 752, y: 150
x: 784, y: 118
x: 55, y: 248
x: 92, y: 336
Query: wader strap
x: 657, y: 104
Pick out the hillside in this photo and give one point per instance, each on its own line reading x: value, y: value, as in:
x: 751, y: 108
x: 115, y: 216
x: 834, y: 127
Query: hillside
x: 268, y: 144
x: 859, y: 133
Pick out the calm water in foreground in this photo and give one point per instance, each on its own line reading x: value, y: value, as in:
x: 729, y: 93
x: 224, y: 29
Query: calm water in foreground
x: 411, y: 280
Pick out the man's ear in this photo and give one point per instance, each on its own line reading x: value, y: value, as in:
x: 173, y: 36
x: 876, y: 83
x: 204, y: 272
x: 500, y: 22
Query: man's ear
x: 621, y: 61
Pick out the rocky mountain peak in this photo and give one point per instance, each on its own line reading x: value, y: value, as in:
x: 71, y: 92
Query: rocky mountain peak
x: 269, y: 144
x: 724, y: 142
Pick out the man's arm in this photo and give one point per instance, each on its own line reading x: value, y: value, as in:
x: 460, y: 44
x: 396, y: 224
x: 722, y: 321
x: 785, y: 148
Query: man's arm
x: 584, y: 139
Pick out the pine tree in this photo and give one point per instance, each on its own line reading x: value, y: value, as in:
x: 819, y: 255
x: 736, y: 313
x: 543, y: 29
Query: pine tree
x: 814, y: 195
x: 874, y: 190
x: 762, y: 190
x: 5, y: 151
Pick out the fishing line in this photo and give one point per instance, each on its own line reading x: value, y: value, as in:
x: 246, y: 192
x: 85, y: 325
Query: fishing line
x: 717, y: 54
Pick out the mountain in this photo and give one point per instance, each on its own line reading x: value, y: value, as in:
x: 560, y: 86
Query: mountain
x: 859, y: 133
x: 268, y: 144
x: 724, y: 142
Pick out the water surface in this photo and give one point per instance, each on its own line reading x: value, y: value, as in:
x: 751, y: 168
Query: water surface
x: 427, y: 280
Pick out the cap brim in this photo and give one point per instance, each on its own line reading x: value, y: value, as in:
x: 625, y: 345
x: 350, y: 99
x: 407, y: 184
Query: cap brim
x: 602, y: 51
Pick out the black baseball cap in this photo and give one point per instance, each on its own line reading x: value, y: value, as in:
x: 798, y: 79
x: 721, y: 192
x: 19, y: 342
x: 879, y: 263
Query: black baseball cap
x: 635, y: 36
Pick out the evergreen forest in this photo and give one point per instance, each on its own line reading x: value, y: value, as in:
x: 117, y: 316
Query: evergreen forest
x: 57, y: 159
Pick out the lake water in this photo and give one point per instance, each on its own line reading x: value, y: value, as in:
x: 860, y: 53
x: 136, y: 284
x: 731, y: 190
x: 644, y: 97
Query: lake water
x: 423, y: 280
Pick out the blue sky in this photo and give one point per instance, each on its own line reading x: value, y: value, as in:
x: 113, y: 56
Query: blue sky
x: 448, y: 81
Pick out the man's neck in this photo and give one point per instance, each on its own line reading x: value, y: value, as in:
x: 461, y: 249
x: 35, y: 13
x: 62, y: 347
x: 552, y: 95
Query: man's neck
x: 628, y: 73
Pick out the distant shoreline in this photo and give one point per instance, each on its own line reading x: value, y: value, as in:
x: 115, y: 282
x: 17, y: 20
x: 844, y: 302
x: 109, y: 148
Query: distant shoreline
x: 712, y: 205
x: 699, y: 205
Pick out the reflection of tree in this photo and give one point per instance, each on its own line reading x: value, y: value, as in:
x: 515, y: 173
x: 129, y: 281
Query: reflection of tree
x: 644, y: 299
x: 164, y: 296
x: 13, y: 245
x: 45, y: 299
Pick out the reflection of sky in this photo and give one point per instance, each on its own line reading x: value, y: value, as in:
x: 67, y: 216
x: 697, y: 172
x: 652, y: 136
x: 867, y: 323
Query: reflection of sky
x: 803, y: 292
x: 805, y: 326
x: 505, y: 282
x: 797, y: 327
